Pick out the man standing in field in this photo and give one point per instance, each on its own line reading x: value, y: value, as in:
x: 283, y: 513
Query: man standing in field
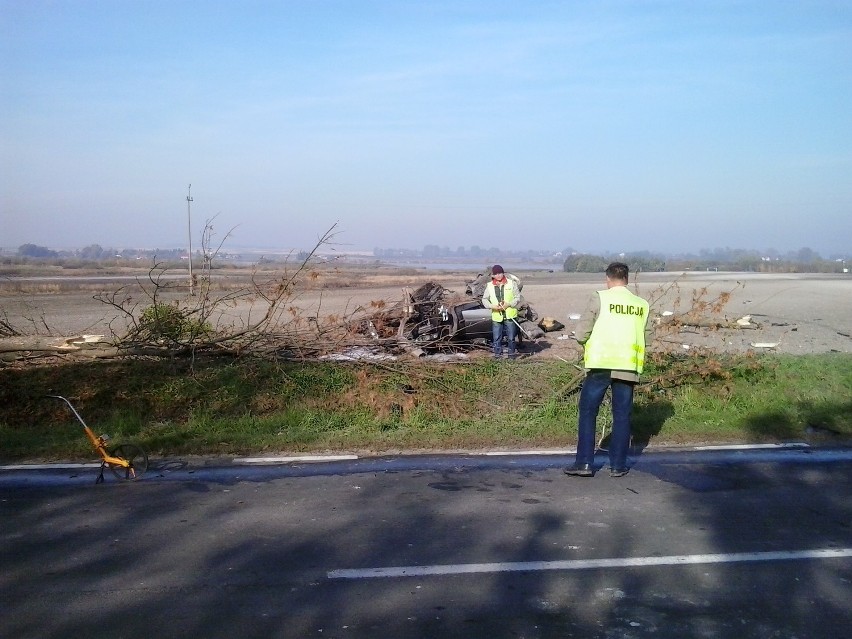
x: 613, y: 335
x: 502, y: 296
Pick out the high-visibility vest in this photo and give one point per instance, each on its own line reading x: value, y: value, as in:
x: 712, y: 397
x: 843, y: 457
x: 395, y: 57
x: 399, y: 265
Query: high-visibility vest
x: 508, y: 296
x: 617, y: 340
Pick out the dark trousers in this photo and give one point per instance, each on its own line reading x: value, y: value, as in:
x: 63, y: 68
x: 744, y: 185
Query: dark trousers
x: 591, y: 396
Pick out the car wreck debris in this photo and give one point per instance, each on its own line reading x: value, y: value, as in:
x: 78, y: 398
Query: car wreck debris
x: 690, y: 320
x: 432, y: 318
x: 550, y: 324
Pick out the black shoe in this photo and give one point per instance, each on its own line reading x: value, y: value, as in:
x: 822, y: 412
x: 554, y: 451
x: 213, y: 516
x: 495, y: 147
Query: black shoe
x: 618, y: 472
x: 580, y: 470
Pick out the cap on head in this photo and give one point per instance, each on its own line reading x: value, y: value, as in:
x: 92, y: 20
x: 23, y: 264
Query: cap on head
x: 496, y: 270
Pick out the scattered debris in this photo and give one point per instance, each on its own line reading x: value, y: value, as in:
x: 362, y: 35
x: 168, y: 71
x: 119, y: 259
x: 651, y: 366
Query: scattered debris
x: 550, y: 324
x: 691, y: 320
x: 432, y: 318
x: 359, y: 354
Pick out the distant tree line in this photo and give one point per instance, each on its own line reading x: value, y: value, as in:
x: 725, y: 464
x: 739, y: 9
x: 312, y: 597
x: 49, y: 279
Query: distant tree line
x: 805, y: 260
x: 97, y: 252
x: 433, y: 251
x: 95, y: 255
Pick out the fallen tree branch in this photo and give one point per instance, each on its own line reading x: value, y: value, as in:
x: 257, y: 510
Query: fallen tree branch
x: 743, y: 323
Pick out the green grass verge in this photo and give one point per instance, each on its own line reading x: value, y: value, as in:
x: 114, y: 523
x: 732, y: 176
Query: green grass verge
x: 244, y: 406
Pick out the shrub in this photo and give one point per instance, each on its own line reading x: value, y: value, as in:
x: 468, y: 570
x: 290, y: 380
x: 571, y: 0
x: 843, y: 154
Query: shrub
x: 170, y: 322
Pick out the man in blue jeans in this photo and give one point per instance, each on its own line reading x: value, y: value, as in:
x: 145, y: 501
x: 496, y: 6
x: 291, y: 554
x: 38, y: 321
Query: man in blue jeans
x: 502, y: 297
x: 613, y: 336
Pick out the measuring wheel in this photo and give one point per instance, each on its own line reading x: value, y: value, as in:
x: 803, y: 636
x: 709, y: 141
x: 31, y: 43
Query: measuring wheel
x: 134, y: 454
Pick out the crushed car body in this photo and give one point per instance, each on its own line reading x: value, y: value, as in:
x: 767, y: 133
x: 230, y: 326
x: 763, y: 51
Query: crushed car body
x: 432, y: 318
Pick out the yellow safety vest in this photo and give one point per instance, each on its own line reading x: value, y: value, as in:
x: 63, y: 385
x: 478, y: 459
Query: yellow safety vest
x: 617, y: 341
x: 508, y: 297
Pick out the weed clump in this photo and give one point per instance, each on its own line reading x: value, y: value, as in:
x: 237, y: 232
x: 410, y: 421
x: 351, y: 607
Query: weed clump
x: 169, y: 322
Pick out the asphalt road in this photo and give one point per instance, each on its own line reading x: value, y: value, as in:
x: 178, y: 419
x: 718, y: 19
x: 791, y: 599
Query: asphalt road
x: 686, y: 545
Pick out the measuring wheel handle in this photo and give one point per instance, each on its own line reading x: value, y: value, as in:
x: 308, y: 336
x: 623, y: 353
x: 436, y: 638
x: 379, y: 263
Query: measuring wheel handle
x: 126, y: 461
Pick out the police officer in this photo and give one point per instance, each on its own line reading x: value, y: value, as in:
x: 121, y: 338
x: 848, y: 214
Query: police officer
x: 613, y: 337
x: 502, y: 296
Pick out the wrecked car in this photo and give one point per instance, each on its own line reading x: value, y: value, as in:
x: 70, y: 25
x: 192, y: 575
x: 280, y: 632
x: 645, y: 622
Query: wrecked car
x: 432, y: 318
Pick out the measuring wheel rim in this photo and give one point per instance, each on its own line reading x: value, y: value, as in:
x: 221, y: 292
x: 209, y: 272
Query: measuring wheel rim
x: 134, y: 454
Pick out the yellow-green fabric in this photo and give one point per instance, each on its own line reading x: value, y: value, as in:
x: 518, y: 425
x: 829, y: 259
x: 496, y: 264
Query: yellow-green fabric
x: 618, y: 337
x: 510, y: 294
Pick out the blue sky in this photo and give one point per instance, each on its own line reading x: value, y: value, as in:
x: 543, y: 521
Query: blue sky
x: 601, y: 125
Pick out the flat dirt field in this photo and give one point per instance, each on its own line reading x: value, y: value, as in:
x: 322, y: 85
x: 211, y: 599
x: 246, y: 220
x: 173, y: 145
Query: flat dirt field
x: 790, y: 313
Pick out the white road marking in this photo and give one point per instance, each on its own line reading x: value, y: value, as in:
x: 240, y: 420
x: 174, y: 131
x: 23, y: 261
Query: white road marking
x: 299, y: 458
x: 753, y: 446
x: 586, y: 564
x: 59, y: 466
x: 506, y: 453
x: 573, y: 451
x: 816, y: 455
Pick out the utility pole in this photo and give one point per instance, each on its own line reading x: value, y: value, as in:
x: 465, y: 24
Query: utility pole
x: 189, y: 231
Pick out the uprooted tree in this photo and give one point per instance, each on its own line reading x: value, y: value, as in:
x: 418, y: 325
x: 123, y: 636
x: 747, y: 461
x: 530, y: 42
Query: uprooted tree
x: 155, y: 317
x: 203, y: 324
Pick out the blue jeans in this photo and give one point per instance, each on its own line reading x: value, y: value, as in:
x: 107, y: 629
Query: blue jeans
x: 591, y: 396
x: 497, y: 329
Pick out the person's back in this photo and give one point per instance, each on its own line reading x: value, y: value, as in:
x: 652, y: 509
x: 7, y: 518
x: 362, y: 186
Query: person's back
x: 617, y: 341
x: 614, y: 355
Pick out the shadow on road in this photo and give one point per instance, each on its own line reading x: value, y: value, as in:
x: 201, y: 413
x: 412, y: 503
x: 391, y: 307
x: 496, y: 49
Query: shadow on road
x: 250, y: 557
